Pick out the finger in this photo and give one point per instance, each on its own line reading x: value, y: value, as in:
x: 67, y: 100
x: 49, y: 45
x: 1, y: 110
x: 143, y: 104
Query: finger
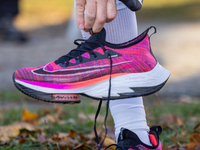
x: 90, y: 14
x: 80, y: 8
x: 100, y: 16
x: 111, y: 10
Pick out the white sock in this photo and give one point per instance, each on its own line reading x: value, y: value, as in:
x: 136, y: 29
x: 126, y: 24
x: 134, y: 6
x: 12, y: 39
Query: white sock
x: 130, y: 114
x: 127, y: 113
x: 119, y: 30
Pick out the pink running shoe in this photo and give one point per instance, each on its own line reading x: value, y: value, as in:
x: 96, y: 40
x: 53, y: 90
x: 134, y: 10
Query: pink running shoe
x: 128, y: 140
x: 86, y: 71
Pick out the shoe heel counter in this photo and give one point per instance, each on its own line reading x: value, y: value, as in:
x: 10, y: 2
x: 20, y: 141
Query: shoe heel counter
x: 149, y: 39
x: 151, y: 51
x: 150, y: 58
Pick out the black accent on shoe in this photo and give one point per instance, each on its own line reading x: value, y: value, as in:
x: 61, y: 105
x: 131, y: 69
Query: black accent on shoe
x: 46, y: 97
x: 128, y: 139
x: 133, y: 5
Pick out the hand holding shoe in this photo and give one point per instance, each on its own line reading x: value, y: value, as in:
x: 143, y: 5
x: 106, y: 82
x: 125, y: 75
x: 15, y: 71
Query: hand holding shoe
x: 98, y: 12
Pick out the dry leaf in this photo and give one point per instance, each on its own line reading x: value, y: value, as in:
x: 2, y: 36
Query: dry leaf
x: 29, y: 117
x: 13, y: 130
x: 111, y: 132
x: 58, y: 111
x: 72, y: 133
x: 108, y: 141
x: 62, y: 135
x: 23, y: 140
x: 80, y: 146
x: 196, y: 138
x: 51, y: 118
x: 164, y: 147
x: 171, y: 120
x: 82, y: 117
x: 191, y: 145
x: 197, y: 127
x: 62, y: 145
x: 24, y: 125
x: 41, y: 137
x: 8, y: 131
x: 173, y: 139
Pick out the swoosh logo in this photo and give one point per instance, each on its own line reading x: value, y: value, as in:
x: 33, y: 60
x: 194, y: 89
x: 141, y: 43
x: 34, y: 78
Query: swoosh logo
x: 75, y: 71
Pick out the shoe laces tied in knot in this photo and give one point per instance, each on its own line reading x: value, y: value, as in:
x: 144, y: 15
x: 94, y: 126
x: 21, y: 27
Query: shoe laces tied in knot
x: 83, y: 47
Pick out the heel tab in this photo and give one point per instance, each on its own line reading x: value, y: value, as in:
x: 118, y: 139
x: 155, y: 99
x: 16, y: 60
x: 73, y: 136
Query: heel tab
x: 155, y: 30
x: 157, y: 129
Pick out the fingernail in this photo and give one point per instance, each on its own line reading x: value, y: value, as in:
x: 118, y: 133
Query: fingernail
x: 81, y: 27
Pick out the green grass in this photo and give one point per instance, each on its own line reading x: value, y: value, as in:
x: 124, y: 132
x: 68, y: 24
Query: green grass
x: 11, y: 95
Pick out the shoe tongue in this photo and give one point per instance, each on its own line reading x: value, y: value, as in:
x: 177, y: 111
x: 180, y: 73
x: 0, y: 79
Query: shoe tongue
x: 129, y: 135
x: 100, y: 37
x: 127, y: 139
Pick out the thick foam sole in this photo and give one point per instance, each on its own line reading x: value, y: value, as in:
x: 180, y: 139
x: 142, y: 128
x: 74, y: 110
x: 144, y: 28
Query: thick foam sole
x: 125, y: 86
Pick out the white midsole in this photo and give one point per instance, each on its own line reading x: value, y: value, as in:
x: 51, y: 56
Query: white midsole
x: 120, y: 84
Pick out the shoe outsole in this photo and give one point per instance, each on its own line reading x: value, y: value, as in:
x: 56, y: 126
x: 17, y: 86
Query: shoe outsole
x: 46, y: 97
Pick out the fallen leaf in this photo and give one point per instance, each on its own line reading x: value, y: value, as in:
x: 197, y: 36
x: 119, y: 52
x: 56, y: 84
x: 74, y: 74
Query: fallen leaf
x: 24, y: 125
x: 171, y: 120
x: 6, y: 132
x: 62, y: 145
x: 80, y: 146
x: 196, y: 138
x: 51, y: 118
x: 82, y: 117
x: 29, y: 117
x: 108, y: 141
x: 191, y: 145
x: 23, y: 140
x: 197, y: 127
x: 164, y: 147
x: 58, y: 111
x: 72, y: 133
x: 111, y: 132
x: 193, y: 118
x: 41, y: 137
x: 62, y: 135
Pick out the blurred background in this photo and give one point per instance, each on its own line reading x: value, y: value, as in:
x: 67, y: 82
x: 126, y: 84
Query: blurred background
x: 48, y: 28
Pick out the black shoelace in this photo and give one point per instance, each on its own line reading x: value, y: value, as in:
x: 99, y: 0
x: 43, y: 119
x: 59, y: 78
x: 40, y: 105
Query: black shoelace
x: 85, y: 46
x: 107, y: 107
x: 106, y: 115
x: 76, y: 54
